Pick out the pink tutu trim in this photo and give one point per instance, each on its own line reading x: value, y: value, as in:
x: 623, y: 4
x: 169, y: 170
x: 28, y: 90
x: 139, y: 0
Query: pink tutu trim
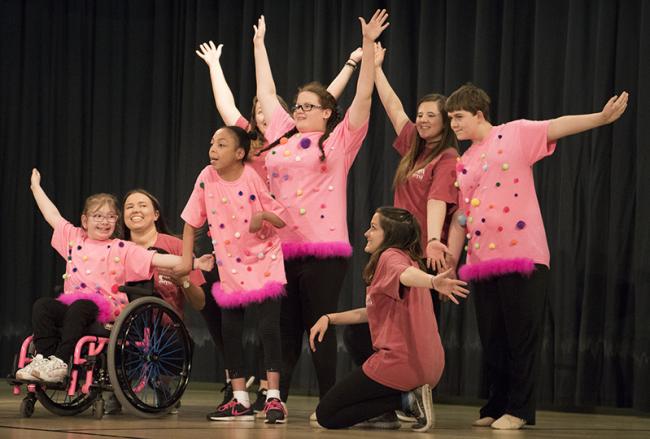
x: 496, y: 267
x: 235, y: 299
x: 105, y: 308
x: 320, y: 250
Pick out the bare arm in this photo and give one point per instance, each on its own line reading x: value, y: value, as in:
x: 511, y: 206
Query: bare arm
x: 195, y: 296
x: 456, y: 240
x: 45, y: 205
x: 389, y: 99
x: 266, y: 93
x: 337, y: 86
x: 350, y: 317
x: 360, y: 108
x: 568, y: 125
x: 443, y: 283
x: 435, y: 250
x: 223, y: 97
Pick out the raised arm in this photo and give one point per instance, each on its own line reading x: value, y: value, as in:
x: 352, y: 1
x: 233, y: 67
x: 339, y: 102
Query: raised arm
x: 568, y: 125
x: 360, y: 107
x: 266, y: 94
x: 45, y: 205
x: 389, y: 99
x: 337, y: 86
x: 223, y: 98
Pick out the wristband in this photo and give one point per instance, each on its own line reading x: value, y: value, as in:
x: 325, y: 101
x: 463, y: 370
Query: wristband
x: 329, y: 321
x: 432, y: 278
x: 352, y: 64
x: 432, y: 239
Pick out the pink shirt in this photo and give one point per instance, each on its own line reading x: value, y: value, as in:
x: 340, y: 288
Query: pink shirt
x: 168, y: 290
x: 434, y: 181
x: 255, y: 161
x: 251, y: 267
x: 403, y: 328
x: 499, y: 203
x: 95, y: 269
x: 313, y: 191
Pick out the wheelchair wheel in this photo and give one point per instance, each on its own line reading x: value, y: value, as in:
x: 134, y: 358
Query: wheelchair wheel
x: 149, y: 357
x: 57, y: 400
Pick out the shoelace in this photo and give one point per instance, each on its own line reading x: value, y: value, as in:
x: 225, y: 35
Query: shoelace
x: 229, y: 405
x: 273, y: 404
x: 55, y: 364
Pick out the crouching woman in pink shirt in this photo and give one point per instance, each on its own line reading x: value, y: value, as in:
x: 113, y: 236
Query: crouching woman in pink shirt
x: 408, y: 358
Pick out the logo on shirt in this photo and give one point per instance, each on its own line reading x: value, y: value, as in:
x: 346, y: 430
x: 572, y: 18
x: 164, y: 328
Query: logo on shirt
x: 419, y: 174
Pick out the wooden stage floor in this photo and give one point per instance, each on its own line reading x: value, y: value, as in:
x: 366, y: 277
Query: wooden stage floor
x: 453, y: 421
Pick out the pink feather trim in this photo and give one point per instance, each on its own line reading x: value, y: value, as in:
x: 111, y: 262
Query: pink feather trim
x: 235, y: 299
x: 496, y: 267
x: 105, y: 308
x: 320, y: 250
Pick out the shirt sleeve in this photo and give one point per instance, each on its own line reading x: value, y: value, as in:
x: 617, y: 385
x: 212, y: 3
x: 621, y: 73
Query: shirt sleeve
x: 404, y: 140
x: 390, y: 267
x: 444, y: 176
x: 533, y: 138
x: 194, y: 212
x: 280, y: 123
x: 137, y: 262
x: 350, y: 140
x: 63, y: 234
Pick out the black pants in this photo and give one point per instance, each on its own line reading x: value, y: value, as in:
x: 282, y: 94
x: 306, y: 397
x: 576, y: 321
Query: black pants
x: 510, y: 312
x: 57, y: 327
x: 354, y: 399
x: 313, y: 288
x: 211, y: 313
x: 232, y: 328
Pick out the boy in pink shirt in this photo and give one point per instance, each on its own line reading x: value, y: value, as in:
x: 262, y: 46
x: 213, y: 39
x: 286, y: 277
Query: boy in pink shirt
x: 408, y: 353
x: 507, y: 253
x: 96, y: 265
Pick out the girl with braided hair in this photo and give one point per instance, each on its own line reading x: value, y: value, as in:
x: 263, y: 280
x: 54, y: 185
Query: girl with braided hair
x: 308, y: 161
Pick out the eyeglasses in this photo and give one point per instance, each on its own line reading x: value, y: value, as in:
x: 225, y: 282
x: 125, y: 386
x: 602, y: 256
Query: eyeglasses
x: 304, y: 107
x: 99, y: 218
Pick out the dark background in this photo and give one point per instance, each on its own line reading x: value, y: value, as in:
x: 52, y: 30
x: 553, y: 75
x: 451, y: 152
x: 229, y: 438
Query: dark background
x: 109, y: 95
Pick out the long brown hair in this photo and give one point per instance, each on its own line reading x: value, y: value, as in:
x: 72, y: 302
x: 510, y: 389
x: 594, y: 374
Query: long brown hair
x: 401, y: 231
x: 447, y: 140
x: 160, y: 223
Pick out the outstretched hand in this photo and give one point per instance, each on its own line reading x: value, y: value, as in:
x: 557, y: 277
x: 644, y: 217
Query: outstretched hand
x: 375, y: 26
x: 35, y: 179
x: 260, y: 30
x: 614, y: 108
x: 445, y: 285
x: 209, y: 53
x: 205, y: 262
x: 318, y: 330
x: 380, y: 53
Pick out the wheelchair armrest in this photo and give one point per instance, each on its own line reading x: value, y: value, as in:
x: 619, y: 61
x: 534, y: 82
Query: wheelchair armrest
x: 134, y: 292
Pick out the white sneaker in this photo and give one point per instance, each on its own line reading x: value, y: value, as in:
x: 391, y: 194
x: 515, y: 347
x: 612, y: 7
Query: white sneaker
x: 508, y: 422
x: 26, y: 372
x: 53, y: 370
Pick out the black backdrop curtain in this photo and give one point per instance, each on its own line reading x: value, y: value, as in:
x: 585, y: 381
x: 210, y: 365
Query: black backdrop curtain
x: 109, y: 95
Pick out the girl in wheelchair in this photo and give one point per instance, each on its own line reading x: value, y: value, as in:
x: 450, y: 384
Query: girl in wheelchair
x: 96, y: 264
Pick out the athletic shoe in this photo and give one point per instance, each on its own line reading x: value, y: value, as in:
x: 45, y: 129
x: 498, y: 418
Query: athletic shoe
x: 25, y: 373
x: 404, y: 417
x: 276, y: 412
x: 111, y: 405
x: 485, y: 421
x: 53, y: 370
x: 423, y: 409
x: 232, y: 411
x: 260, y: 403
x: 387, y: 421
x: 228, y: 395
x: 313, y: 418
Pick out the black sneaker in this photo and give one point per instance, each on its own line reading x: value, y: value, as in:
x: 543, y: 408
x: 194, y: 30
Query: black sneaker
x: 232, y: 411
x: 387, y: 421
x: 228, y: 394
x: 260, y: 402
x: 422, y: 408
x: 112, y: 406
x: 276, y: 412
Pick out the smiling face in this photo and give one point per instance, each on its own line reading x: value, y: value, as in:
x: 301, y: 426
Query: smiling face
x: 313, y: 120
x: 465, y: 124
x: 429, y: 121
x: 225, y: 151
x: 374, y: 235
x: 99, y: 222
x: 139, y: 212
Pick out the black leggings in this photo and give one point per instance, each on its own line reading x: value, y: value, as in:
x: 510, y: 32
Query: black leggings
x: 354, y: 399
x: 313, y: 288
x: 57, y: 327
x: 232, y: 328
x: 509, y: 312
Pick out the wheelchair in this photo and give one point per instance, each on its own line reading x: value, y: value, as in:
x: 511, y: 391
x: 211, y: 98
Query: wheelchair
x: 145, y: 359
